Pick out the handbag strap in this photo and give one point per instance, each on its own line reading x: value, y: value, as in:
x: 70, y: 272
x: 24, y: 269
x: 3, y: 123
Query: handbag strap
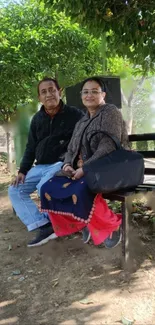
x: 91, y: 120
x: 115, y: 139
x: 111, y: 136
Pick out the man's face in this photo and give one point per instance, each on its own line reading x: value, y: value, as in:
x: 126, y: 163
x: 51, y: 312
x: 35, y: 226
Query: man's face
x: 49, y: 95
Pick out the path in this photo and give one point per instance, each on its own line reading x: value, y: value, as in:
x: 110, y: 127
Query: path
x: 68, y: 283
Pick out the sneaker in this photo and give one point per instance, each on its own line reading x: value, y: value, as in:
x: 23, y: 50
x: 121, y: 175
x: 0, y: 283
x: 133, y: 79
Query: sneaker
x: 45, y: 234
x: 114, y: 240
x: 86, y: 235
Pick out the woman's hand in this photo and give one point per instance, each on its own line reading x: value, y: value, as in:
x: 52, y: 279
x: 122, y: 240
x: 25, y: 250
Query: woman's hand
x: 78, y: 173
x: 68, y: 168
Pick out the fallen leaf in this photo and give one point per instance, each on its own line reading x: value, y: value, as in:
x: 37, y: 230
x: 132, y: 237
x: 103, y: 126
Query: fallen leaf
x: 16, y: 272
x: 55, y: 284
x: 9, y: 247
x: 96, y: 277
x: 28, y: 259
x: 86, y: 301
x: 150, y: 257
x: 127, y: 321
x: 21, y: 279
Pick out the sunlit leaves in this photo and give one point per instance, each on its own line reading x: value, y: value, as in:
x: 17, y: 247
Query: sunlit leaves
x: 132, y: 23
x: 37, y: 41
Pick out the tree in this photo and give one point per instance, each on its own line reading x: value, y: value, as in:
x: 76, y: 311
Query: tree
x: 129, y: 25
x: 36, y: 41
x: 136, y: 90
x: 136, y: 98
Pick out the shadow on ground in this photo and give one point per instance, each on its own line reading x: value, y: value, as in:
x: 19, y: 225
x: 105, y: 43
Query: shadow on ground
x: 68, y: 283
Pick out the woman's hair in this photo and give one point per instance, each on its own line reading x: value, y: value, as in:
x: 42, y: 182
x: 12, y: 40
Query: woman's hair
x: 48, y: 79
x: 96, y: 79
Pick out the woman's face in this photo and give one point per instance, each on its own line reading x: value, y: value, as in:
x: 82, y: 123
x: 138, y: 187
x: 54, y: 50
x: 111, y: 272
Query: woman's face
x: 92, y: 95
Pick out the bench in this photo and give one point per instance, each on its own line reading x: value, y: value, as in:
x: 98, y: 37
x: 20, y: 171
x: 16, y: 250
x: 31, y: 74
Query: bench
x: 126, y: 198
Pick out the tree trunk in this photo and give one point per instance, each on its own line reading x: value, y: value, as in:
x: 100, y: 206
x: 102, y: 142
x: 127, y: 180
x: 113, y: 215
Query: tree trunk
x: 128, y: 103
x: 10, y: 155
x: 8, y: 144
x: 129, y: 122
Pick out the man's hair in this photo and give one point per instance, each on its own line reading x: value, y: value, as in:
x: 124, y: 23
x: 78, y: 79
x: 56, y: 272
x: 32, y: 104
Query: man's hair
x: 96, y: 79
x: 48, y: 79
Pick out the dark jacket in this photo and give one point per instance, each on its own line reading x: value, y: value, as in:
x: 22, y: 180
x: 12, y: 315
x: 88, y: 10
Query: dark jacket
x: 108, y: 118
x: 48, y: 138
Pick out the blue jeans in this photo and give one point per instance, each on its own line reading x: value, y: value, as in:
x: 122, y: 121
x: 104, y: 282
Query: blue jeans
x: 20, y: 198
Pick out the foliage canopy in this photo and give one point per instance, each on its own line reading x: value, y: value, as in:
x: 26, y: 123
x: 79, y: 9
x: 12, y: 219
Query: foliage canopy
x: 128, y: 24
x: 36, y: 41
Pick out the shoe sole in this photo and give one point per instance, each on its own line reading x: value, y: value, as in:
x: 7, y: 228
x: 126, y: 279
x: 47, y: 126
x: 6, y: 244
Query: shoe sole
x: 116, y: 244
x: 88, y: 239
x: 44, y: 241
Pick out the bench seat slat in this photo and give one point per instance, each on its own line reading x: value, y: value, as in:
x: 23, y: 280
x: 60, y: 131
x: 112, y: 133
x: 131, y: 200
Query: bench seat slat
x: 148, y: 154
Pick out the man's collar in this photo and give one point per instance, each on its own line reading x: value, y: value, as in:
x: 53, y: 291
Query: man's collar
x: 61, y: 109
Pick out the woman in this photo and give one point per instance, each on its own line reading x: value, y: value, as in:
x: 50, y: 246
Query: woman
x: 71, y: 205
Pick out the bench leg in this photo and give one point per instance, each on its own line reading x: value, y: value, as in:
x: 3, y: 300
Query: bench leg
x: 125, y: 235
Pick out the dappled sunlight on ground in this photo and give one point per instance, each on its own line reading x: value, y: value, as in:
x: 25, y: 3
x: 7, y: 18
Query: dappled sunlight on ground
x: 5, y: 320
x: 68, y: 283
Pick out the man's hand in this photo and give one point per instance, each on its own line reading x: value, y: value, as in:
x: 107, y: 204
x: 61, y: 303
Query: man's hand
x: 19, y: 179
x: 78, y: 173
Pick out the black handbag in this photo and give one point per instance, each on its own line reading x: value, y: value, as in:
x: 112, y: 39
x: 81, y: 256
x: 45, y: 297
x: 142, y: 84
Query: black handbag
x: 119, y: 170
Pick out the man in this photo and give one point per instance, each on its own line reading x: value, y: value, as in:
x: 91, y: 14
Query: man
x: 50, y: 132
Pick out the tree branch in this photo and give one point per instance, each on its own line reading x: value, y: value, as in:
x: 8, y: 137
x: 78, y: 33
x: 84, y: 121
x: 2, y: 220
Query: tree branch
x: 124, y: 99
x: 139, y: 84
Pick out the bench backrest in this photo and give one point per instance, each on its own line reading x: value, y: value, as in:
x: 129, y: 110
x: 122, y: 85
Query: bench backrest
x: 146, y: 153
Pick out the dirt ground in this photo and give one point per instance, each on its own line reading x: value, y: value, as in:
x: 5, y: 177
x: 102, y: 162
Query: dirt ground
x: 68, y: 283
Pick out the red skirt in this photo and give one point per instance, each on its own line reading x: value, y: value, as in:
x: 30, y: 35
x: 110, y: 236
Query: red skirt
x: 101, y: 222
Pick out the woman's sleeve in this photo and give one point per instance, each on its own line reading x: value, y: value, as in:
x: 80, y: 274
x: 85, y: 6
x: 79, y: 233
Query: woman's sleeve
x: 70, y: 149
x: 125, y: 138
x: 113, y: 124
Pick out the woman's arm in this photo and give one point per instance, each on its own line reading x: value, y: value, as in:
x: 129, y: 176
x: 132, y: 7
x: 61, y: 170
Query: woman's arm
x: 70, y: 152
